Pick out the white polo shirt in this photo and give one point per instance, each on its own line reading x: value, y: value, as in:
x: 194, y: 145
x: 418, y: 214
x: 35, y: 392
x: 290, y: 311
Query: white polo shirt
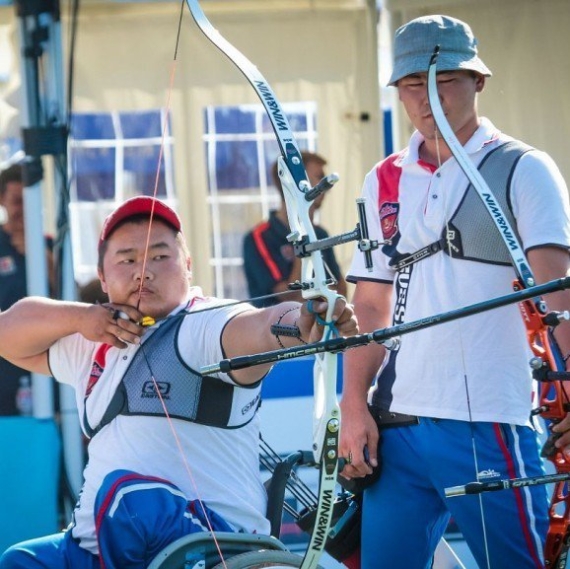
x: 486, y: 354
x: 223, y: 463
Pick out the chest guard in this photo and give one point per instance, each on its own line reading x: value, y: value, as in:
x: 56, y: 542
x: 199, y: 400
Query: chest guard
x: 186, y: 394
x: 471, y: 232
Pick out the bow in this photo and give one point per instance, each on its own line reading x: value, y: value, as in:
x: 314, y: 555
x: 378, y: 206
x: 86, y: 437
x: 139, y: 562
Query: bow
x: 548, y: 365
x: 298, y: 197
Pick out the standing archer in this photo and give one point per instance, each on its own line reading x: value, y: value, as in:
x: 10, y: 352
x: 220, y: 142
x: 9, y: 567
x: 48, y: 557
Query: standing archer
x: 172, y: 451
x: 460, y: 394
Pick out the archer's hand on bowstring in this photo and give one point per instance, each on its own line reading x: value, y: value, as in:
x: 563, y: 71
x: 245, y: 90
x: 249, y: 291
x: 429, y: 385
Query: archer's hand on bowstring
x: 114, y: 324
x: 313, y: 324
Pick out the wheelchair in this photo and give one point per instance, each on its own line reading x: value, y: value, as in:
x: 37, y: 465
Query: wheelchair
x: 228, y: 550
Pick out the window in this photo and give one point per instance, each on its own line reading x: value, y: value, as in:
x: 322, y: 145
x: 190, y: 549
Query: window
x: 240, y: 150
x: 112, y: 157
x: 10, y: 151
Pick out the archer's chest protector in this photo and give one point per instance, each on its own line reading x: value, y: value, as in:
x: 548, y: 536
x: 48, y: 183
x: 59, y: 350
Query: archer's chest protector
x: 158, y: 367
x: 471, y: 232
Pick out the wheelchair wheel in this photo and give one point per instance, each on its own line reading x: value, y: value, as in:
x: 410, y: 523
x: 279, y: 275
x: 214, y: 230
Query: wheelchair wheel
x: 260, y: 559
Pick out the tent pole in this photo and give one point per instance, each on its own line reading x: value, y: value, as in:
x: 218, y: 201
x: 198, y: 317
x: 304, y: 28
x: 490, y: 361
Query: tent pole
x: 44, y: 133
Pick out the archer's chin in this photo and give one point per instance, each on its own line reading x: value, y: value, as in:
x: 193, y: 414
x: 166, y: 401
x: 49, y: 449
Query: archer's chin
x: 154, y: 310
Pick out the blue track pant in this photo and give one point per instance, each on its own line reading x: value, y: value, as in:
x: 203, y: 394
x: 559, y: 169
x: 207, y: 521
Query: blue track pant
x: 406, y: 512
x: 135, y: 516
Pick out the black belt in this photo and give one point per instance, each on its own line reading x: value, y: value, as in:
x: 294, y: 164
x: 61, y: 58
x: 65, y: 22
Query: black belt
x: 387, y: 419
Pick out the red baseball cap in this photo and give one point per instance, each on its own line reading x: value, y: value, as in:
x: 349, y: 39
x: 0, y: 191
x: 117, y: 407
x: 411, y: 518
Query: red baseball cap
x: 136, y: 206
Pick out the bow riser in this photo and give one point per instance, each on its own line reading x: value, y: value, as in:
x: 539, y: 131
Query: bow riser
x: 551, y: 394
x: 552, y: 406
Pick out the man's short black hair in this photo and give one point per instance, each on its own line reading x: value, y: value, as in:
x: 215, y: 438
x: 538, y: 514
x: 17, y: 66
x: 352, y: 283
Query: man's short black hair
x: 11, y: 174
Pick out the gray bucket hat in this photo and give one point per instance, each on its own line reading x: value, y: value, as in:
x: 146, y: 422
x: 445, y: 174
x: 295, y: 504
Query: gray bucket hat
x: 415, y: 41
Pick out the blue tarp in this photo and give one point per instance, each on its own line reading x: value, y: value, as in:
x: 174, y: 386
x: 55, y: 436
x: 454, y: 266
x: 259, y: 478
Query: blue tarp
x: 29, y: 478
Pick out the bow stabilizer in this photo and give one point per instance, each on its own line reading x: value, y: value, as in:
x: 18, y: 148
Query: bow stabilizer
x: 389, y: 337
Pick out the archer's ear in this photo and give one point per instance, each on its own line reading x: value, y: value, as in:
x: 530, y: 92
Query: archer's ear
x: 103, y: 281
x: 480, y: 82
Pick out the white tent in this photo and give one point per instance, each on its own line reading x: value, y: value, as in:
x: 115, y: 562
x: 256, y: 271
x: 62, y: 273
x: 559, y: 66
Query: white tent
x: 323, y: 51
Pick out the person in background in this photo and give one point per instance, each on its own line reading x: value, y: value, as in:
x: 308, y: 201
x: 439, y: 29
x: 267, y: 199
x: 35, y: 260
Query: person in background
x: 172, y: 450
x: 268, y: 258
x: 15, y: 382
x: 457, y: 396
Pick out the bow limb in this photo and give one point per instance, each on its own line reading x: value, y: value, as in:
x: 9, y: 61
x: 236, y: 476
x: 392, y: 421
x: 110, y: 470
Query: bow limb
x: 553, y: 398
x: 296, y: 186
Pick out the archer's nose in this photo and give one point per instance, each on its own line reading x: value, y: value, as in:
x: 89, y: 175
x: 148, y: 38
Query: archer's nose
x: 148, y: 274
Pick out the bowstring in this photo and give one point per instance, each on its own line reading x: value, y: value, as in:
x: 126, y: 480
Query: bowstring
x: 330, y: 328
x: 522, y: 271
x: 185, y: 462
x: 170, y: 89
x: 178, y: 443
x: 459, y: 327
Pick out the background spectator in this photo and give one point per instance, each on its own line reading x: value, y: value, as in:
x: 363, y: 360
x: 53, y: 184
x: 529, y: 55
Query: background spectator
x: 15, y: 387
x: 268, y: 258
